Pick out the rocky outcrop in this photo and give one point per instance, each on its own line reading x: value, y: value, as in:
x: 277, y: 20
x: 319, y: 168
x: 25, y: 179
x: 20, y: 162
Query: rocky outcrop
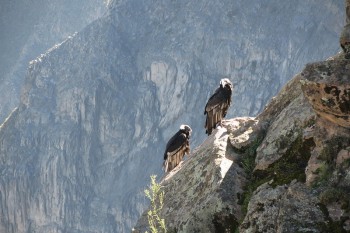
x: 289, y: 116
x: 202, y: 194
x: 307, y: 131
x: 327, y: 86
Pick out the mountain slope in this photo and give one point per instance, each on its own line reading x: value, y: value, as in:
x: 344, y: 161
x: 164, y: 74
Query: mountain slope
x: 29, y: 29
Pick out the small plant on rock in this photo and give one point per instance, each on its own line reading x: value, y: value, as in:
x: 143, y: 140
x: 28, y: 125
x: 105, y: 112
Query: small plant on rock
x: 156, y: 197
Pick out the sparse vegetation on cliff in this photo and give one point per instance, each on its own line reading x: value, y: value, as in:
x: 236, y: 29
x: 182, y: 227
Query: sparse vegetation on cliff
x: 156, y: 197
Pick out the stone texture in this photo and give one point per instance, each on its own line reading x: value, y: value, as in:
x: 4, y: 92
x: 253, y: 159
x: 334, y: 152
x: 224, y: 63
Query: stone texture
x: 243, y: 131
x: 329, y: 156
x: 327, y: 86
x: 288, y: 115
x: 289, y: 208
x: 342, y: 156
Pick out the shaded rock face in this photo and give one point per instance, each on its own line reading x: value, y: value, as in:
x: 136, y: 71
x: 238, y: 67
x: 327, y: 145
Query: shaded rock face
x: 74, y: 139
x: 327, y: 167
x: 290, y: 123
x: 28, y: 30
x: 96, y: 109
x: 288, y: 208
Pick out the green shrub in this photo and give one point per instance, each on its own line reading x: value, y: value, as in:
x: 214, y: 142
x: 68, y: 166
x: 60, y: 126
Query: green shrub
x: 156, y: 197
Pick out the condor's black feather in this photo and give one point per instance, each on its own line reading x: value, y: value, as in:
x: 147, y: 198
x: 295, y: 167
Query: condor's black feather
x: 217, y: 105
x: 176, y: 148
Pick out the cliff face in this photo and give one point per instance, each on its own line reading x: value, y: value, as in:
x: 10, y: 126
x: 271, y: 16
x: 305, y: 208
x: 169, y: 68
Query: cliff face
x: 29, y: 29
x: 96, y: 111
x: 307, y: 167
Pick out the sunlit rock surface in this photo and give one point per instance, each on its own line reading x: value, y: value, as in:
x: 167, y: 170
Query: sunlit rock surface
x: 202, y: 193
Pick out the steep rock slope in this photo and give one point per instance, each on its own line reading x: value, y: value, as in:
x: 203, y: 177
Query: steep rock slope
x: 95, y: 110
x: 306, y: 163
x: 28, y: 29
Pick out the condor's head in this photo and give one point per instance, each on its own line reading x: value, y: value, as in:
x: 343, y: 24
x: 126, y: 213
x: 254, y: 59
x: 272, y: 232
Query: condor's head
x: 226, y: 84
x: 186, y: 129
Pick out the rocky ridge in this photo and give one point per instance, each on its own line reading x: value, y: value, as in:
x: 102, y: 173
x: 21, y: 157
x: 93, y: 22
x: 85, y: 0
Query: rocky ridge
x: 31, y: 28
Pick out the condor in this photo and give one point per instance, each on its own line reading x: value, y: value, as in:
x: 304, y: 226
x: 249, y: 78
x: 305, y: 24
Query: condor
x: 177, y: 147
x: 217, y: 105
